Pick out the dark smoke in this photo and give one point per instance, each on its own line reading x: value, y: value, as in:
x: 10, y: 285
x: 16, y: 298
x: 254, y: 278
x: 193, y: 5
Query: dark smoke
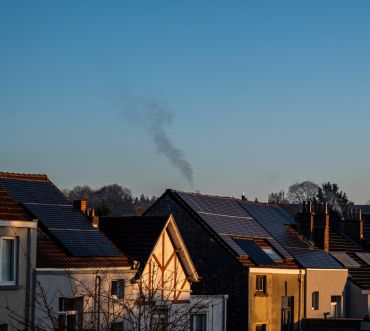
x: 155, y: 116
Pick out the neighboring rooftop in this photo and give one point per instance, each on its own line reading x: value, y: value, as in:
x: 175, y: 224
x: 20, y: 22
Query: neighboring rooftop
x: 134, y: 235
x: 263, y: 227
x: 65, y: 225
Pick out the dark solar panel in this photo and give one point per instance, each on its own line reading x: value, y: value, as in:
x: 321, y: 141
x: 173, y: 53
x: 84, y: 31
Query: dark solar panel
x: 85, y: 243
x: 255, y: 253
x: 56, y: 216
x: 309, y: 258
x: 235, y: 225
x: 280, y: 226
x: 213, y: 205
x: 27, y: 191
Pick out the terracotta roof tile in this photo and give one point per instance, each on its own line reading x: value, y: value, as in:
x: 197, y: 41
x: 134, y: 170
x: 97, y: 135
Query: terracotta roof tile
x: 38, y: 177
x: 11, y: 210
x: 51, y: 255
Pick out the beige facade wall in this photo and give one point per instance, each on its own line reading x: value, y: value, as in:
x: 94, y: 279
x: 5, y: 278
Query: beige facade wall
x: 267, y: 308
x: 13, y: 297
x: 328, y: 283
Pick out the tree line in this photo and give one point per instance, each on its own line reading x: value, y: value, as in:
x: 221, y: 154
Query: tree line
x: 110, y: 200
x: 309, y: 191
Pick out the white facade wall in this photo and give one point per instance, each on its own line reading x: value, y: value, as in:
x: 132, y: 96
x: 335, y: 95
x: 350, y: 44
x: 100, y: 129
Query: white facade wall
x: 16, y: 299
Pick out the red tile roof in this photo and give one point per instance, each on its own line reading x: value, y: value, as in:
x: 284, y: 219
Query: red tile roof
x: 51, y: 255
x: 39, y: 177
x: 11, y: 210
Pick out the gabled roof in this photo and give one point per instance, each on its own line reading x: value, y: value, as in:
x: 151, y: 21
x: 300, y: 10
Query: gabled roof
x: 11, y: 210
x: 137, y: 237
x: 64, y: 225
x: 230, y: 218
x: 227, y: 221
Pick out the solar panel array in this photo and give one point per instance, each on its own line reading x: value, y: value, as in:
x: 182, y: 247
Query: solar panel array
x: 228, y: 218
x: 255, y: 253
x: 315, y: 258
x: 85, y: 243
x: 27, y: 191
x: 59, y: 216
x: 213, y: 205
x: 235, y: 225
x: 68, y: 225
x: 279, y: 224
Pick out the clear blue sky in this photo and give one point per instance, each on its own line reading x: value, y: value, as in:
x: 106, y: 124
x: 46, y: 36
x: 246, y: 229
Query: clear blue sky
x: 264, y: 93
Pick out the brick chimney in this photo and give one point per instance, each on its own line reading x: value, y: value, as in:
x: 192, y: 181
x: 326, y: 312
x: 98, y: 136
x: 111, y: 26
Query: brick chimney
x: 306, y: 219
x: 80, y: 205
x: 353, y: 225
x: 314, y: 223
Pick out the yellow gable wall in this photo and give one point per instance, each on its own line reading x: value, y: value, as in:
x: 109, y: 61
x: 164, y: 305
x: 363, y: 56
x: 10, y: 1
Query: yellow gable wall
x: 164, y: 273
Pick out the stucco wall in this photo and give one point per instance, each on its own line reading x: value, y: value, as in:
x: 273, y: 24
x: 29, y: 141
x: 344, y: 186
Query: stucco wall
x: 328, y: 283
x: 13, y: 298
x: 53, y: 285
x: 221, y: 273
x: 215, y: 307
x: 266, y: 308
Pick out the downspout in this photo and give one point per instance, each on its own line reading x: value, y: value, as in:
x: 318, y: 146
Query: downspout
x: 248, y: 300
x: 34, y: 280
x: 224, y: 311
x: 28, y: 281
x: 300, y: 300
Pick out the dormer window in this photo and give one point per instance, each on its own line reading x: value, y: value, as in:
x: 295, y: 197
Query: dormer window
x: 273, y: 255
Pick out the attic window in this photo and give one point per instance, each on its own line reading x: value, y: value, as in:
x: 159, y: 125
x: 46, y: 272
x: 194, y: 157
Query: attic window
x: 271, y: 253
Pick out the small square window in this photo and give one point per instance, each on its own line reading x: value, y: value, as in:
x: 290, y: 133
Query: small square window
x: 261, y: 283
x: 118, y: 288
x: 261, y: 327
x: 117, y: 326
x: 315, y: 300
x: 199, y: 322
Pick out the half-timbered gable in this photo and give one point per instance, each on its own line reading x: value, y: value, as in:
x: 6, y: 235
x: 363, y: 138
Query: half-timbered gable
x: 154, y: 244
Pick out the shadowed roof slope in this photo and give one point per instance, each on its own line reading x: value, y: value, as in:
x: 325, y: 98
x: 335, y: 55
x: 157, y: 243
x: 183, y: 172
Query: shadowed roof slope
x: 136, y: 236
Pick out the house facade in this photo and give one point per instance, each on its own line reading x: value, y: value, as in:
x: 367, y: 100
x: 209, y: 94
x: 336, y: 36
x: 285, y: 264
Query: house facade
x: 253, y: 253
x: 165, y: 273
x: 17, y: 262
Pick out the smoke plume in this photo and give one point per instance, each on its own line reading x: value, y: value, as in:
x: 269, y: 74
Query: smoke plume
x: 155, y: 116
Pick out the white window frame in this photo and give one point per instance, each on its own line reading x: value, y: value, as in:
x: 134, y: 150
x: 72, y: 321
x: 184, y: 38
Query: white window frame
x: 15, y: 260
x: 78, y: 315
